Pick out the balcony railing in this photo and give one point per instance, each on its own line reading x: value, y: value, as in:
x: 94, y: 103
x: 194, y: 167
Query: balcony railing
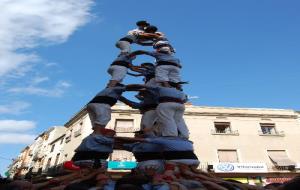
x: 224, y: 132
x: 271, y: 133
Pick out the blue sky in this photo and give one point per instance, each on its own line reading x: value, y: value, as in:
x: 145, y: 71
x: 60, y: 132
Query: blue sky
x: 55, y: 56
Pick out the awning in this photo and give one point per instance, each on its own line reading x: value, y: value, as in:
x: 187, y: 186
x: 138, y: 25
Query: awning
x: 279, y: 158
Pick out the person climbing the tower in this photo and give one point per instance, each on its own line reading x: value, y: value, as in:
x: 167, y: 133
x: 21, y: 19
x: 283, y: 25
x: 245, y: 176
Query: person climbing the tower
x: 119, y: 67
x: 98, y: 145
x: 159, y: 41
x: 137, y: 36
x: 147, y: 70
x: 170, y: 108
x: 167, y: 65
x: 141, y: 26
x: 147, y: 107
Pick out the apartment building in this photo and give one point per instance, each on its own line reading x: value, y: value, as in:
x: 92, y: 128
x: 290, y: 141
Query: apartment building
x: 54, y: 154
x: 32, y: 158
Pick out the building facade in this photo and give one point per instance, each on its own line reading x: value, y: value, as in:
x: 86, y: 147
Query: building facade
x: 32, y: 159
x: 232, y: 142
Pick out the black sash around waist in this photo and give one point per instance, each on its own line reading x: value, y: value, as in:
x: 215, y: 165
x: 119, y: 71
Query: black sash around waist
x: 104, y: 100
x: 126, y: 39
x: 179, y: 155
x: 144, y: 156
x: 121, y: 63
x: 170, y: 99
x: 90, y: 155
x: 167, y: 63
x: 148, y: 107
x: 162, y: 45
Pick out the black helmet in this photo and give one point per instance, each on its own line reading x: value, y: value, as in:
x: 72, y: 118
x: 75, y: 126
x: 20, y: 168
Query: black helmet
x: 151, y: 29
x: 142, y: 23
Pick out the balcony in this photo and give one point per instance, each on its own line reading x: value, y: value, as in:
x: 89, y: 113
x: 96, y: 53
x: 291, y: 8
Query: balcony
x: 77, y: 133
x: 68, y: 139
x: 271, y: 133
x: 225, y: 132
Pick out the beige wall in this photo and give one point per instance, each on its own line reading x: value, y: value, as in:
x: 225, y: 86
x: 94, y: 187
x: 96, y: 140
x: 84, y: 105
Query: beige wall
x: 250, y: 146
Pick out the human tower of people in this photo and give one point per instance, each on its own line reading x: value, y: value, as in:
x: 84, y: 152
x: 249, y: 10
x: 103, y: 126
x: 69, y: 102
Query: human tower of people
x: 163, y: 136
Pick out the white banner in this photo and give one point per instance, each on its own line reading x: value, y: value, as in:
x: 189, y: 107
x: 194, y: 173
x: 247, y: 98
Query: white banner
x: 240, y: 167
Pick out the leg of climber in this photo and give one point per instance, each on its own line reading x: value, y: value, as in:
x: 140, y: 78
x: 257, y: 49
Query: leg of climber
x: 165, y: 113
x: 183, y: 131
x: 117, y: 73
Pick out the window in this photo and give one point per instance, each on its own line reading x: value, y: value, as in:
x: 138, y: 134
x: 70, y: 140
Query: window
x: 77, y: 129
x: 268, y: 128
x: 56, y: 159
x: 280, y: 159
x: 66, y: 156
x: 62, y: 140
x: 124, y: 126
x: 222, y: 127
x: 121, y: 155
x: 48, y: 164
x: 227, y: 156
x: 68, y: 136
x: 52, y: 148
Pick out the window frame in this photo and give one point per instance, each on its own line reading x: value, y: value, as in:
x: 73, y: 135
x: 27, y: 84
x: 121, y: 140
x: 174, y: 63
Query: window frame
x: 267, y: 132
x: 228, y: 150
x: 227, y: 130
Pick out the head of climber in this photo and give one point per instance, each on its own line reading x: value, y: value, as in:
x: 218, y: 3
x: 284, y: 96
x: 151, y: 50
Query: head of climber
x: 151, y: 29
x: 142, y: 24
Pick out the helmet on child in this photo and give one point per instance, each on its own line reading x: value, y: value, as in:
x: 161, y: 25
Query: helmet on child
x: 142, y: 23
x: 151, y: 29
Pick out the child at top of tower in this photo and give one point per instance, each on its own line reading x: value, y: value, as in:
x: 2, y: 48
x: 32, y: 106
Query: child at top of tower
x: 137, y: 36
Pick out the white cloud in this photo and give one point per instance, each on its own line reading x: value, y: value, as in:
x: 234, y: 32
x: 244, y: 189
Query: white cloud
x: 38, y: 80
x: 16, y: 138
x: 28, y: 24
x: 15, y: 108
x: 16, y: 125
x: 16, y: 131
x: 56, y: 91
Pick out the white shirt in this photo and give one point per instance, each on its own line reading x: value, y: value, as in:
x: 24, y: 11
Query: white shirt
x: 135, y: 31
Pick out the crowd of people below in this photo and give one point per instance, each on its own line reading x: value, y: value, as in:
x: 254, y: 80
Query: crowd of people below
x: 174, y: 177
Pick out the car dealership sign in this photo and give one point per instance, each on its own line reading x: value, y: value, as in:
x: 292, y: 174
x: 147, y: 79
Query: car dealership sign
x: 240, y: 167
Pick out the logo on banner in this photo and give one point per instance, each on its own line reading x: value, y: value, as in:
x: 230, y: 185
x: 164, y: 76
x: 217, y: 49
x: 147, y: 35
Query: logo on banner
x: 225, y: 167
